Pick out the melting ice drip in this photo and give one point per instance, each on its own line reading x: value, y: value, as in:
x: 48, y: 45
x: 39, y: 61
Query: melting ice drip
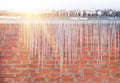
x: 71, y: 39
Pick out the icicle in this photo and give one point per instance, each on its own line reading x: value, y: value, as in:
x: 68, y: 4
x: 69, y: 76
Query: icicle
x: 61, y: 37
x: 28, y: 40
x: 30, y: 46
x: 68, y: 42
x: 67, y: 46
x: 19, y: 30
x: 114, y: 25
x: 76, y: 41
x: 98, y: 41
x: 36, y: 39
x: 56, y: 48
x: 91, y: 36
x: 72, y: 42
x: 37, y: 30
x: 40, y: 47
x: 33, y: 40
x: 87, y: 32
x: 101, y: 41
x: 43, y: 44
x: 81, y: 37
x: 93, y: 40
x: 111, y: 35
x: 45, y: 34
x: 24, y: 36
x: 65, y: 41
x: 34, y: 47
x: 19, y: 26
x: 50, y: 40
x: 118, y: 42
x: 108, y: 41
x: 26, y: 32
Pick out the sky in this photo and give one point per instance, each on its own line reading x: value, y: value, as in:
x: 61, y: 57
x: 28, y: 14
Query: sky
x: 36, y: 5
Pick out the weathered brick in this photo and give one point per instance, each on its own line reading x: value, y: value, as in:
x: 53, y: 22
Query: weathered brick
x: 97, y: 80
x: 14, y: 62
x: 67, y: 78
x: 14, y: 71
x: 117, y: 75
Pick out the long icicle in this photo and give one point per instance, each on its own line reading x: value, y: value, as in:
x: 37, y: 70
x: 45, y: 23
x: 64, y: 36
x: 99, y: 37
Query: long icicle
x: 118, y: 42
x: 109, y: 42
x: 115, y: 42
x: 98, y: 41
x: 61, y: 49
x: 38, y: 45
x: 76, y: 39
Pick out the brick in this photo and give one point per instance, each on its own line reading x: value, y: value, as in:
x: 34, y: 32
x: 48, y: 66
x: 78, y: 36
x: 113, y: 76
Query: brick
x: 22, y: 74
x: 89, y: 71
x: 16, y: 79
x: 67, y: 78
x: 2, y: 48
x: 6, y: 53
x: 2, y: 80
x: 33, y: 66
x: 39, y: 79
x: 117, y: 75
x: 102, y: 70
x: 66, y: 66
x: 113, y: 66
x: 19, y: 66
x: 3, y: 61
x: 46, y: 72
x: 5, y: 66
x: 50, y: 62
x: 25, y: 61
x: 104, y: 75
x: 6, y: 75
x: 23, y: 52
x: 6, y: 57
x: 54, y: 77
x: 21, y: 57
x: 12, y: 43
x: 110, y: 63
x: 90, y: 66
x: 75, y: 66
x: 27, y: 80
x: 111, y: 80
x: 28, y: 71
x: 82, y: 80
x: 93, y: 62
x: 89, y: 75
x: 14, y: 62
x: 97, y: 80
x: 2, y: 71
x: 14, y: 71
x: 73, y: 70
x: 55, y: 70
x: 113, y: 71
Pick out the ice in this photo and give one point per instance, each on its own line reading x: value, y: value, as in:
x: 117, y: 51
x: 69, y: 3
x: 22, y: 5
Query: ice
x: 68, y: 40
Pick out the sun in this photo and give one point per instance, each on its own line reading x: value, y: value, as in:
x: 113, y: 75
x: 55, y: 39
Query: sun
x: 25, y: 5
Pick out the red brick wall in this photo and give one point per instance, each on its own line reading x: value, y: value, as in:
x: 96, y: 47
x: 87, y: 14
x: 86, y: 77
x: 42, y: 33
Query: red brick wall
x: 17, y: 67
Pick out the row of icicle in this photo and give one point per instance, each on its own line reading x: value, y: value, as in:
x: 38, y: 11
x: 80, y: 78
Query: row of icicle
x: 67, y: 40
